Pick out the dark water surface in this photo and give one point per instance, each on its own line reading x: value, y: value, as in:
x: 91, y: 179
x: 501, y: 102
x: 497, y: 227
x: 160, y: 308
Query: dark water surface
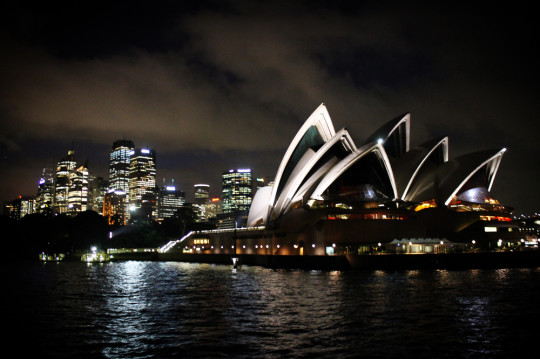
x: 179, y: 310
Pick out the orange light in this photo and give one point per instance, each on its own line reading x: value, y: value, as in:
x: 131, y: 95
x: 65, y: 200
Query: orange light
x: 215, y: 199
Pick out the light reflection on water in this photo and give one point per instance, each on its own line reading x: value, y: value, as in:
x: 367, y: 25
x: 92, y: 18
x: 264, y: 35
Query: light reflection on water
x: 169, y: 309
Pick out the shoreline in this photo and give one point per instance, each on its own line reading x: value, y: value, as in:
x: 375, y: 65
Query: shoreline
x: 462, y: 260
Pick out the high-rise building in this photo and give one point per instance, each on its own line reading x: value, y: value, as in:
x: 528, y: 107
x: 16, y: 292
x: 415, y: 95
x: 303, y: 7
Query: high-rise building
x: 200, y: 199
x: 237, y: 193
x: 78, y: 190
x: 213, y: 208
x: 97, y: 188
x: 114, y: 207
x: 202, y: 193
x: 61, y: 186
x: 170, y: 200
x: 20, y: 207
x: 119, y: 160
x: 45, y: 193
x: 237, y: 190
x: 142, y: 184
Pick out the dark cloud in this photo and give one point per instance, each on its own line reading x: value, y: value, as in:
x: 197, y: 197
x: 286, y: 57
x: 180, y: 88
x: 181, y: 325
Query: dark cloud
x: 216, y: 85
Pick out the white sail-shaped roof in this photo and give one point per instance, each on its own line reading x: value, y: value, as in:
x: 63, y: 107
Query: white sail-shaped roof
x: 258, y: 212
x: 469, y: 165
x: 394, y: 135
x: 307, y: 163
x: 410, y: 165
x: 317, y: 130
x: 323, y: 165
x: 342, y: 166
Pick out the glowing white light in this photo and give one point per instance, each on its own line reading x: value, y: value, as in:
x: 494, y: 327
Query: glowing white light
x: 244, y: 170
x: 144, y: 150
x: 380, y: 140
x: 170, y: 188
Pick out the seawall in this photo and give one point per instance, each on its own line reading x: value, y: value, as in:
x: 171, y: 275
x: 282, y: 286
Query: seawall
x: 518, y: 259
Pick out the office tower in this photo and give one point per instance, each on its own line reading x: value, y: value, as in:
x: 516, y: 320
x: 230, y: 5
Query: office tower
x: 170, y: 200
x: 201, y: 195
x: 61, y: 188
x: 213, y: 208
x: 236, y: 198
x: 237, y: 190
x: 119, y: 165
x: 97, y: 188
x: 78, y: 190
x: 142, y: 184
x: 45, y: 193
x: 115, y: 206
x: 20, y: 207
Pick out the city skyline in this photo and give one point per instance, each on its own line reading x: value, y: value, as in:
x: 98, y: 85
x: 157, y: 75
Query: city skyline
x: 212, y: 87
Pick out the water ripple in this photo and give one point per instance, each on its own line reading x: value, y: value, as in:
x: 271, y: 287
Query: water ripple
x: 168, y: 309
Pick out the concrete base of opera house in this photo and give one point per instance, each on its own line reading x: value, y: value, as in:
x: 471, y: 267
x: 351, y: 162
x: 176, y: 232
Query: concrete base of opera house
x: 473, y: 260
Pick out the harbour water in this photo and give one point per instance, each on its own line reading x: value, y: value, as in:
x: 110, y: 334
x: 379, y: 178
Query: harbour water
x: 146, y: 309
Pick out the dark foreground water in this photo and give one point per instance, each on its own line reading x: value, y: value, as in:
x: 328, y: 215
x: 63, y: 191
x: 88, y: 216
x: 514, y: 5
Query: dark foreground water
x: 180, y: 310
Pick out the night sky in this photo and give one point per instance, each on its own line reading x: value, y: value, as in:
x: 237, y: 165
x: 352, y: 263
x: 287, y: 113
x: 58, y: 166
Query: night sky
x: 215, y: 85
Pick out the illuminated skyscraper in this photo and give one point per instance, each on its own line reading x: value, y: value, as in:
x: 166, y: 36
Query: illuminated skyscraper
x: 45, y: 193
x: 20, y: 207
x: 202, y: 193
x: 114, y: 207
x: 237, y: 190
x: 119, y: 165
x: 170, y: 200
x: 201, y: 196
x: 61, y: 188
x: 142, y: 184
x: 97, y: 188
x: 212, y: 208
x: 78, y: 190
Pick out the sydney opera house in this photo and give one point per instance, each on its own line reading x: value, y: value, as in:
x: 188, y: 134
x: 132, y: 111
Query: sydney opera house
x: 332, y: 196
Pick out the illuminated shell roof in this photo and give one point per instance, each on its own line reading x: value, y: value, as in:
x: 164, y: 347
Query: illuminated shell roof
x: 377, y: 149
x: 317, y: 130
x: 321, y: 164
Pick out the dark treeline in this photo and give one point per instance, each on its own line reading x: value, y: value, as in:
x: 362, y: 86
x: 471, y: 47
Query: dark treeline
x: 36, y: 233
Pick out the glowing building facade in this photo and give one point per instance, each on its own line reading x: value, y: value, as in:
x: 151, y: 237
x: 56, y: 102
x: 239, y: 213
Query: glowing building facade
x: 142, y: 184
x: 236, y: 190
x: 45, y: 193
x: 114, y: 207
x: 171, y: 200
x: 201, y: 198
x: 62, y: 177
x: 78, y: 190
x: 119, y: 161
